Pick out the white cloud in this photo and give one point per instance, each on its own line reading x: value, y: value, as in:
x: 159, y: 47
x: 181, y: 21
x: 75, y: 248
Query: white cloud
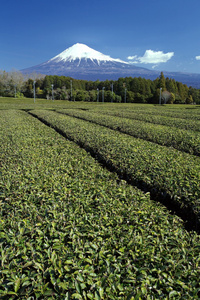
x: 155, y: 66
x: 152, y: 57
x: 132, y: 57
x: 197, y: 57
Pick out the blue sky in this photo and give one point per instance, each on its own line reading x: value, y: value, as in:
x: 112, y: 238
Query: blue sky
x: 159, y: 34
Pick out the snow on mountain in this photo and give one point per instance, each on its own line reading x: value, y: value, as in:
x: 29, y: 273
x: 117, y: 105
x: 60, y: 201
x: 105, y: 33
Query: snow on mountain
x: 81, y: 51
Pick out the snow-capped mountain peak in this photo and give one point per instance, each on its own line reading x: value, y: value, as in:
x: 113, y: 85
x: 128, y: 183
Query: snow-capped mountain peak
x: 81, y: 51
x: 83, y: 62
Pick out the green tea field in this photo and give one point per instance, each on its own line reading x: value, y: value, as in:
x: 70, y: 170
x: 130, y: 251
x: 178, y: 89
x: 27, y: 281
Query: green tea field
x: 99, y: 200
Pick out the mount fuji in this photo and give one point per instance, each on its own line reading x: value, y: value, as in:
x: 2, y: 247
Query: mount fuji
x: 82, y: 62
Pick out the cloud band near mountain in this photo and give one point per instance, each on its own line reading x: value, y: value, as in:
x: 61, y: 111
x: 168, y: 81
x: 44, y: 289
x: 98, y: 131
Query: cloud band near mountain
x: 151, y: 57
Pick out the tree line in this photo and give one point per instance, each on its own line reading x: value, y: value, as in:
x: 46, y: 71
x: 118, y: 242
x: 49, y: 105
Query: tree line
x: 128, y: 89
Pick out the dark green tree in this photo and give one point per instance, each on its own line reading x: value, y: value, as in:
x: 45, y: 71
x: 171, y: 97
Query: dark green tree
x: 162, y: 82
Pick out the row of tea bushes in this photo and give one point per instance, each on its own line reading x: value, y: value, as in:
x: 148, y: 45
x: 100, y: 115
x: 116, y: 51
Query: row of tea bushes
x: 157, y: 113
x: 69, y: 229
x: 183, y: 123
x: 183, y: 140
x: 161, y: 170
